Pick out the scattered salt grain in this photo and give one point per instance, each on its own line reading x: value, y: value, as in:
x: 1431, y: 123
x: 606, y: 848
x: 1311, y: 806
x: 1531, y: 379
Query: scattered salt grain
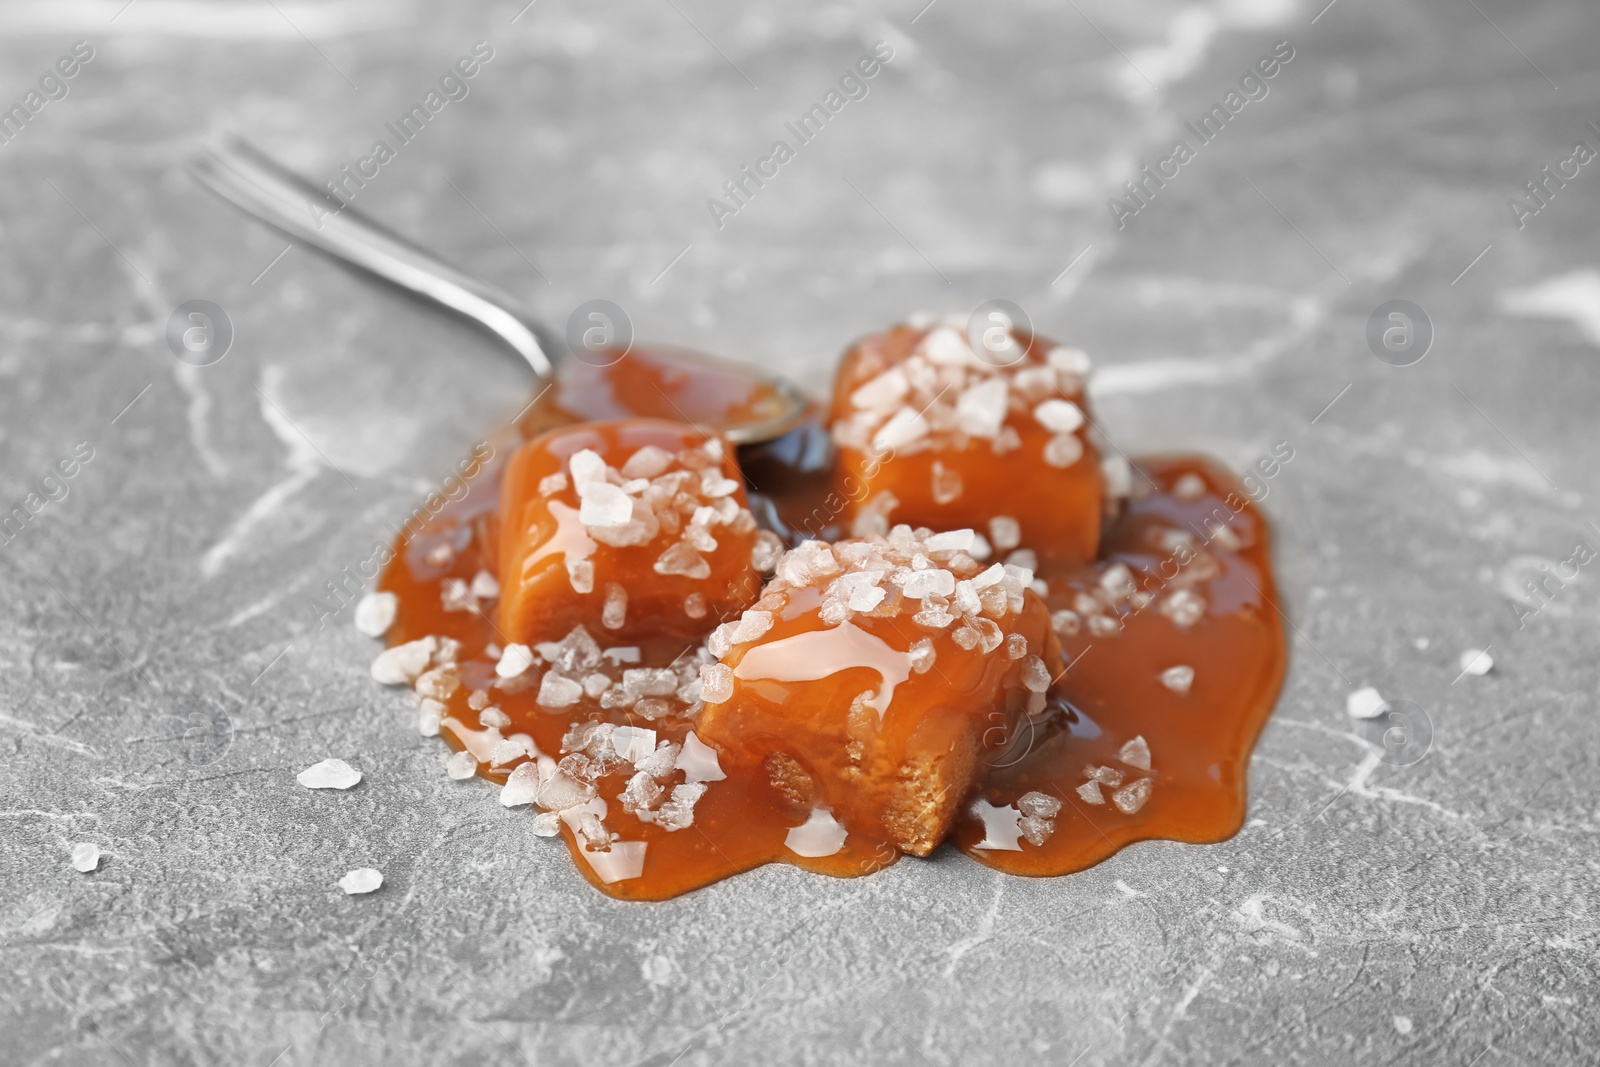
x: 1035, y: 675
x: 1189, y: 487
x: 85, y: 857
x: 587, y: 467
x: 556, y: 691
x: 546, y: 824
x: 522, y: 786
x: 981, y: 408
x: 1118, y: 475
x: 884, y: 391
x: 649, y: 462
x: 1059, y: 416
x: 1040, y: 805
x: 947, y: 484
x: 375, y: 613
x: 1184, y: 607
x: 551, y: 484
x: 919, y: 585
x: 904, y: 427
x: 1365, y: 703
x: 949, y: 541
x: 604, y: 504
x: 1135, y: 753
x: 361, y: 880
x: 580, y: 572
x: 1476, y: 662
x: 694, y: 606
x: 494, y: 718
x: 1178, y: 679
x: 402, y: 664
x: 922, y: 654
x: 633, y: 743
x: 615, y: 611
x: 514, y: 661
x: 439, y: 683
x: 329, y: 774
x: 1131, y: 797
x: 429, y: 715
x: 460, y: 766
x: 1104, y: 775
x: 716, y: 683
x: 485, y: 586
x: 1074, y: 361
x: 682, y: 559
x: 505, y: 752
x: 1090, y: 792
x: 559, y: 791
x: 456, y: 595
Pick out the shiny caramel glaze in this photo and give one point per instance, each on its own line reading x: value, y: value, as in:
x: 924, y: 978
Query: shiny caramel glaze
x: 660, y: 382
x: 1200, y: 742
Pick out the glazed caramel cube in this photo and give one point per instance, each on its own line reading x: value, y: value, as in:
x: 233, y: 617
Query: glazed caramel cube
x: 933, y: 435
x: 874, y: 675
x: 632, y: 529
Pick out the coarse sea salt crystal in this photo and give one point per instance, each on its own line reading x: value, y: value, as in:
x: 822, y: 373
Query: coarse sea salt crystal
x: 1063, y: 450
x: 1178, y: 679
x: 884, y: 391
x: 1005, y: 532
x: 981, y: 408
x: 633, y: 743
x: 919, y: 585
x: 556, y: 691
x: 1135, y: 753
x: 945, y: 346
x: 402, y: 664
x: 1476, y: 662
x: 615, y: 611
x: 375, y: 613
x: 1118, y: 475
x: 716, y: 683
x: 949, y: 541
x: 430, y: 713
x: 1090, y: 792
x: 580, y: 572
x: 587, y: 467
x: 485, y: 586
x: 329, y: 774
x: 1074, y: 361
x: 1131, y: 797
x: 903, y: 427
x: 698, y: 761
x: 1059, y: 416
x: 1039, y: 805
x: 1189, y: 487
x: 522, y: 786
x: 604, y: 504
x: 820, y: 835
x: 514, y: 661
x: 1035, y: 675
x: 682, y: 559
x: 649, y: 462
x: 460, y: 766
x: 361, y: 880
x: 1365, y: 703
x: 85, y: 857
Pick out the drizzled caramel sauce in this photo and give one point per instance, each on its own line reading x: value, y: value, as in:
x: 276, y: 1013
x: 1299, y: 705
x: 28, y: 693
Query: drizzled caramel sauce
x: 1131, y: 745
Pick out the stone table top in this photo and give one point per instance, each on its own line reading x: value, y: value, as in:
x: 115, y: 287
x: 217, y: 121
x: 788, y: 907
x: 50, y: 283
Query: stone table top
x: 163, y: 674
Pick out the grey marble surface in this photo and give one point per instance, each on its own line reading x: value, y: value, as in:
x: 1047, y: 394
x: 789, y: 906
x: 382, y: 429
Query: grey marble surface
x: 1439, y: 912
